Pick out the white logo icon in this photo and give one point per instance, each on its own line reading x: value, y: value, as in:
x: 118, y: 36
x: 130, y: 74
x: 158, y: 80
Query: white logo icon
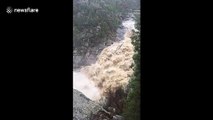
x: 9, y: 10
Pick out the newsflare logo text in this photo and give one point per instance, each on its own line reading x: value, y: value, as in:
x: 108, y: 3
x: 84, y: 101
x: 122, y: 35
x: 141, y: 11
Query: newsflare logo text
x: 11, y: 10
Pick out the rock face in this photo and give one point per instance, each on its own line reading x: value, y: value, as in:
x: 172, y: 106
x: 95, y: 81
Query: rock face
x: 92, y: 31
x: 83, y: 107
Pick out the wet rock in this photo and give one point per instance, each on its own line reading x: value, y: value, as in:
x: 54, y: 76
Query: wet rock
x: 86, y: 109
x: 102, y: 115
x: 117, y: 117
x: 83, y: 107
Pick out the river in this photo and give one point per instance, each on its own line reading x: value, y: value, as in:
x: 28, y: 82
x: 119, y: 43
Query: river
x: 112, y: 68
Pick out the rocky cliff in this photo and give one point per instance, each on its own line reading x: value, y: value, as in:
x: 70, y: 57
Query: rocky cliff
x: 94, y: 27
x: 83, y: 107
x: 86, y: 109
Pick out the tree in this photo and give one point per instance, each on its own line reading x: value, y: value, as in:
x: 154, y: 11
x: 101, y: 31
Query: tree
x: 101, y: 14
x: 132, y: 106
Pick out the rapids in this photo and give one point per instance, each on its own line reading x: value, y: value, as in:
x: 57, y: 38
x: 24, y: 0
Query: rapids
x: 112, y: 68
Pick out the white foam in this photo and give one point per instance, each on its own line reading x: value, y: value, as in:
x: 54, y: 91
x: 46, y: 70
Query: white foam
x: 86, y: 86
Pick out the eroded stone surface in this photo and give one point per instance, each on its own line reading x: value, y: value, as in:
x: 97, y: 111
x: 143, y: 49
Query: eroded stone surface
x: 86, y: 109
x: 83, y: 107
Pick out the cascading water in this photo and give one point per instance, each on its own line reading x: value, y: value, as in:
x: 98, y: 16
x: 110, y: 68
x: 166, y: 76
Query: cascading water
x: 112, y: 68
x: 86, y: 86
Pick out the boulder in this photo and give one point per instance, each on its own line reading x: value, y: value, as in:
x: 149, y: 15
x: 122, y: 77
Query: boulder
x: 83, y: 107
x: 86, y: 109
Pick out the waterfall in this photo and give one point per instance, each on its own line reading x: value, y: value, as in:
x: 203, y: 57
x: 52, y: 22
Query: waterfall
x: 112, y: 68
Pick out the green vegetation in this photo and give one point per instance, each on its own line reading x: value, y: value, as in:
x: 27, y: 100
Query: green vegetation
x: 132, y: 106
x: 94, y: 21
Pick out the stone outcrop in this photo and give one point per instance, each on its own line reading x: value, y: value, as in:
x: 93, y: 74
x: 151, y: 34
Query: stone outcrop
x: 86, y: 109
x: 83, y: 107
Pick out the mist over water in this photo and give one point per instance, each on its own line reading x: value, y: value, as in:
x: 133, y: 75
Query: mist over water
x: 112, y: 68
x: 86, y: 86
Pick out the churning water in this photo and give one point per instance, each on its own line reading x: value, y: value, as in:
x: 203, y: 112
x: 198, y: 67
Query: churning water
x: 112, y: 68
